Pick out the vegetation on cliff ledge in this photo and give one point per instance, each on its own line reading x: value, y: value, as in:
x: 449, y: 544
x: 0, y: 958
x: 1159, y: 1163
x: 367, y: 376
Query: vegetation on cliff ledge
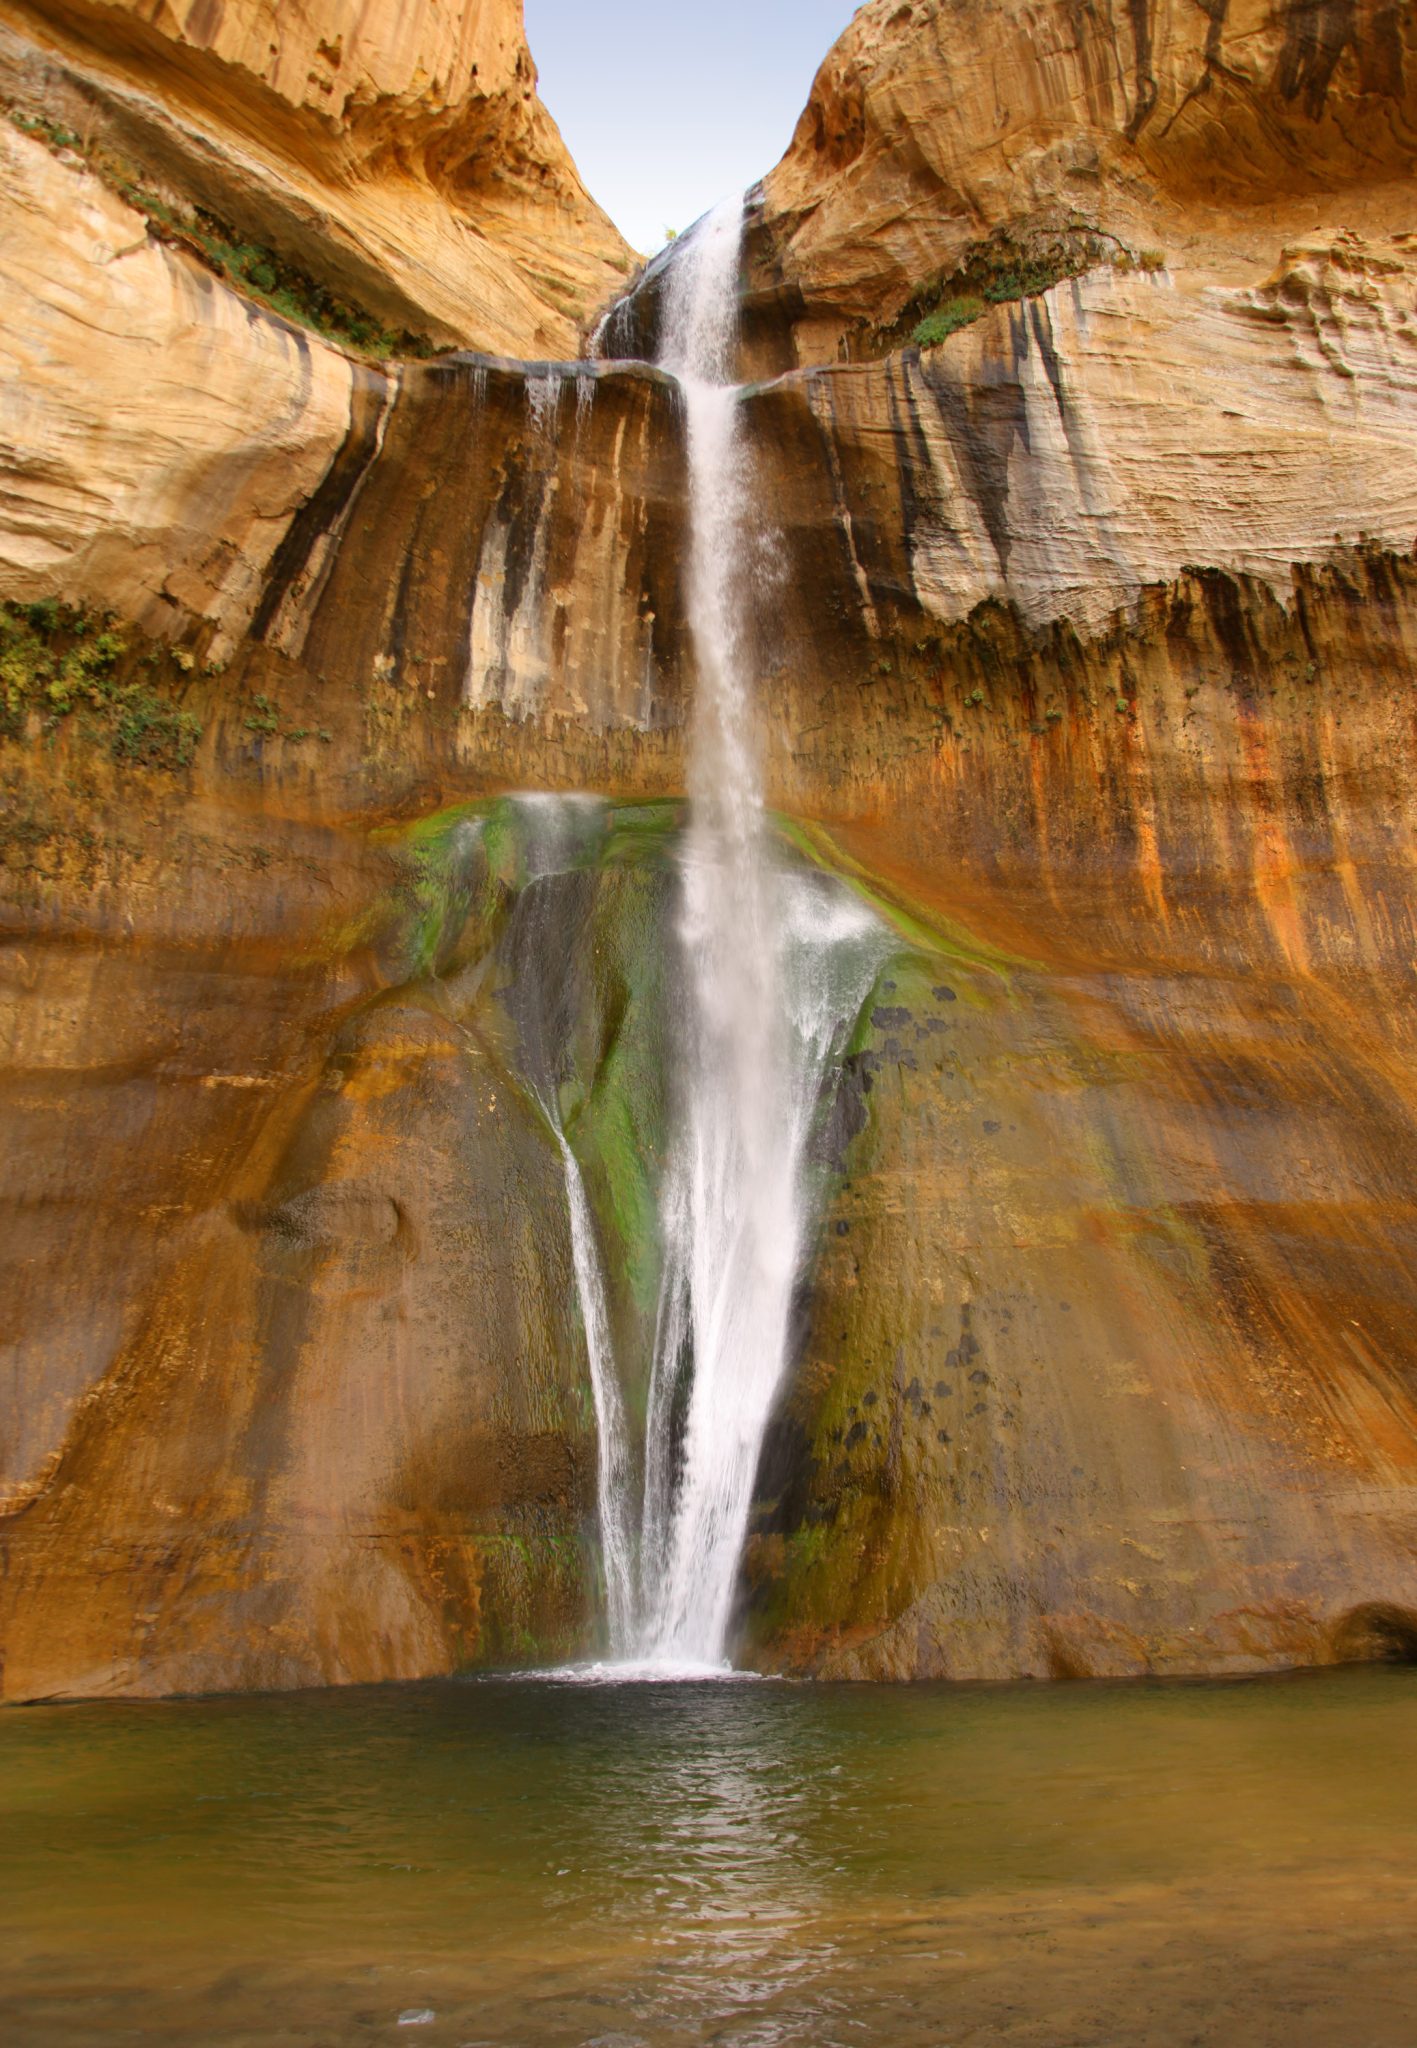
x: 1009, y: 266
x: 252, y: 269
x: 59, y: 663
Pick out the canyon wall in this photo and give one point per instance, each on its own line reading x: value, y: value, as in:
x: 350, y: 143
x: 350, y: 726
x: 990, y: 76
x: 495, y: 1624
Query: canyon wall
x: 1206, y: 134
x: 1088, y: 640
x: 399, y: 156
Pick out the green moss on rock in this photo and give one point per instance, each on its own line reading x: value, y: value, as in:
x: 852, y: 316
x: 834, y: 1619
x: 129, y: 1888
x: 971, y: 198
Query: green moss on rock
x: 1013, y: 264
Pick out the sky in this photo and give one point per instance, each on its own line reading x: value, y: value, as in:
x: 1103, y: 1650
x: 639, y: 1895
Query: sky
x: 669, y: 107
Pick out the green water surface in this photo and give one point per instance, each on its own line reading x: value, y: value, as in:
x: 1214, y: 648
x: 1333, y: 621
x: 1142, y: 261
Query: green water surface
x: 754, y: 1863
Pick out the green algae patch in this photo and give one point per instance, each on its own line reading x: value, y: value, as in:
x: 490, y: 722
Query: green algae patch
x: 620, y: 1130
x: 441, y: 877
x: 534, y: 1598
x: 638, y: 832
x: 543, y: 924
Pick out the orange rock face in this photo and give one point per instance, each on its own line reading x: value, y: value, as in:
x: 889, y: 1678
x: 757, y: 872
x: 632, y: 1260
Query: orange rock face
x: 1108, y: 1366
x: 1197, y: 131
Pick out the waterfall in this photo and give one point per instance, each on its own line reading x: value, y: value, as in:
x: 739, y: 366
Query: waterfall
x: 767, y: 1003
x: 613, y: 1462
x: 557, y: 830
x: 775, y: 964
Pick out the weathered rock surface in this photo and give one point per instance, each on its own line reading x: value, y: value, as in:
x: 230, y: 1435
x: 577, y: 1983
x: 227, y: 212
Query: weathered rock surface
x: 1204, y: 130
x: 294, y: 1387
x: 207, y: 463
x: 1062, y: 452
x: 400, y: 156
x: 1109, y: 1364
x: 155, y: 470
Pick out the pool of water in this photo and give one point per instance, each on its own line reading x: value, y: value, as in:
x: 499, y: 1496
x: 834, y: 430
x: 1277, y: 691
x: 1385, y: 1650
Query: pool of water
x: 533, y: 1863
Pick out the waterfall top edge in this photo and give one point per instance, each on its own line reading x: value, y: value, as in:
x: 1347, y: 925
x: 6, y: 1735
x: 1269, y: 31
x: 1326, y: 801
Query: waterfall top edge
x: 526, y: 369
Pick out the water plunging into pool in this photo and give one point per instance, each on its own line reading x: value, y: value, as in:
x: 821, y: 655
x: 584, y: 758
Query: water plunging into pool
x: 767, y: 1000
x: 776, y: 963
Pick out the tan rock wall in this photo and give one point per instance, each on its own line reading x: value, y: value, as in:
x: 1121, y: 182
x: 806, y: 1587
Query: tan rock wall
x: 1065, y: 451
x: 341, y: 62
x: 216, y: 465
x: 1188, y: 127
x: 515, y: 548
x: 157, y: 433
x: 400, y: 156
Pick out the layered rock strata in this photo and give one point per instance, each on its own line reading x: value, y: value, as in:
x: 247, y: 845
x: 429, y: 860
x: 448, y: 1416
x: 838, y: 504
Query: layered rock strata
x: 200, y: 475
x: 399, y: 156
x: 1203, y: 133
x: 157, y: 476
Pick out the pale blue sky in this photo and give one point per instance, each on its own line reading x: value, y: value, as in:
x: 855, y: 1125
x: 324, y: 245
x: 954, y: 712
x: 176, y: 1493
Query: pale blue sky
x: 669, y: 107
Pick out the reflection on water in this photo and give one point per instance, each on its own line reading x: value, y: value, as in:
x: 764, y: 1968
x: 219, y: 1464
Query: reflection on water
x: 713, y: 1840
x: 756, y: 1865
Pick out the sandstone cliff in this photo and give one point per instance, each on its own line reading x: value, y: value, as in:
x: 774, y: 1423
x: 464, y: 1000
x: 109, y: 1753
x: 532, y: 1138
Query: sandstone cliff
x: 1088, y: 645
x: 1207, y: 134
x: 157, y: 479
x: 399, y: 156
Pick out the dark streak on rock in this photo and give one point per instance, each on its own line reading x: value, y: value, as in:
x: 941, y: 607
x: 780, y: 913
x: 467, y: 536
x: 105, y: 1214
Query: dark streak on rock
x: 1316, y: 34
x: 1140, y: 13
x: 322, y: 510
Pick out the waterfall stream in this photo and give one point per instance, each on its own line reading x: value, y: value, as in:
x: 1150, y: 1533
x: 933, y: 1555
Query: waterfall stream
x: 613, y: 1462
x: 776, y: 963
x: 729, y: 1240
x: 773, y: 974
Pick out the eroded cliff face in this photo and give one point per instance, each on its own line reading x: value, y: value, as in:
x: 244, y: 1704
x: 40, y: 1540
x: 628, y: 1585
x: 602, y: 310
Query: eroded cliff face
x: 398, y: 155
x: 156, y: 479
x: 1108, y: 1366
x: 296, y: 1391
x: 1203, y: 134
x: 203, y: 475
x: 1087, y: 642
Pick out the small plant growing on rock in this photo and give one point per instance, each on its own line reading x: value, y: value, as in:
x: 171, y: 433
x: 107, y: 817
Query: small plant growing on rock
x: 154, y: 732
x: 53, y: 133
x: 265, y: 716
x: 947, y: 319
x: 57, y: 659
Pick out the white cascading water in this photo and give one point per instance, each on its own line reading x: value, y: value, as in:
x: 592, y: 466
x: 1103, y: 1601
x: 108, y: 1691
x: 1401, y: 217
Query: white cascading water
x: 613, y: 1462
x: 776, y: 965
x: 730, y: 1248
x: 554, y: 827
x: 775, y: 968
